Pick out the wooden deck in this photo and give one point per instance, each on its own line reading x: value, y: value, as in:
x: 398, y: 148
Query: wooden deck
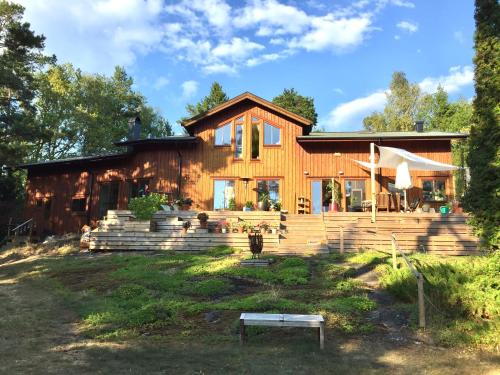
x: 299, y: 234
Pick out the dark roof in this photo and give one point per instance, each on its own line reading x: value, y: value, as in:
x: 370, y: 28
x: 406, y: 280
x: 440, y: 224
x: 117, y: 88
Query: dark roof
x: 366, y: 135
x: 174, y: 139
x: 76, y: 160
x: 247, y: 96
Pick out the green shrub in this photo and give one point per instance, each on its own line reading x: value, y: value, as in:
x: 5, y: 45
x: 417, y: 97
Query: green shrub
x: 144, y: 207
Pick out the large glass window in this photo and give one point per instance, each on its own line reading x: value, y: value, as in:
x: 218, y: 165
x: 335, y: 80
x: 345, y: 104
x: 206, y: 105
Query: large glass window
x: 272, y: 134
x: 223, y: 135
x: 355, y: 193
x: 433, y: 190
x: 223, y: 194
x: 270, y: 188
x: 79, y: 204
x: 238, y: 150
x: 255, y: 140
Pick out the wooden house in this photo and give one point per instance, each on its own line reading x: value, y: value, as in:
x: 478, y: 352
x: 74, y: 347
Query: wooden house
x: 232, y: 153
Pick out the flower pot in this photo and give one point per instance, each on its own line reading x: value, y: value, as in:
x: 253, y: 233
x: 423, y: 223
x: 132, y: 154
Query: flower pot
x: 246, y: 209
x: 262, y: 206
x: 241, y: 230
x: 335, y: 207
x: 176, y: 207
x: 224, y: 230
x: 203, y: 224
x: 263, y: 230
x: 274, y: 230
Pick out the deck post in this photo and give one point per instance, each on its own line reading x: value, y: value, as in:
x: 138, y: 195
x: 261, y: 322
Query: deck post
x: 372, y: 179
x: 421, y: 304
x: 341, y: 234
x: 394, y: 261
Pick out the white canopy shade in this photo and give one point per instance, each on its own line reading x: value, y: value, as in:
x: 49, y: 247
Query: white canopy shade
x: 391, y: 157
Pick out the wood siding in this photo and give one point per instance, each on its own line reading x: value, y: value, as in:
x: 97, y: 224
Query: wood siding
x: 295, y: 165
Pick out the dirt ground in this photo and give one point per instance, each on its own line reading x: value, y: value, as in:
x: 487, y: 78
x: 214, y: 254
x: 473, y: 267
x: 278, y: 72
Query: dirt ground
x: 39, y: 335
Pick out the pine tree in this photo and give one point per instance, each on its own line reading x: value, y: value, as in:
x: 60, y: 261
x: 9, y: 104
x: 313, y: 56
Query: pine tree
x: 483, y: 196
x: 301, y: 105
x: 214, y: 98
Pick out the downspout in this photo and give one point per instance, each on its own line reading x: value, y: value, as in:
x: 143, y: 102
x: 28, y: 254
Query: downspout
x: 179, y: 176
x: 91, y: 190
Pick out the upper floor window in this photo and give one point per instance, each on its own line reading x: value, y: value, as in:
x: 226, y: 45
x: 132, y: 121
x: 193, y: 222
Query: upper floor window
x: 272, y: 134
x: 223, y: 135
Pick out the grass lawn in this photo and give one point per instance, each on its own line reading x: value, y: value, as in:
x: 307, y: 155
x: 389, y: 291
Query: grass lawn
x: 179, y: 313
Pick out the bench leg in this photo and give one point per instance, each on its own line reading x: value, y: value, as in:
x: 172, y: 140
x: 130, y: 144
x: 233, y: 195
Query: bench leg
x: 321, y: 332
x: 242, y: 331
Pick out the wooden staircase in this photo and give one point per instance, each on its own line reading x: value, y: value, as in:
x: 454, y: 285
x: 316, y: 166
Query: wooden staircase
x: 302, y: 235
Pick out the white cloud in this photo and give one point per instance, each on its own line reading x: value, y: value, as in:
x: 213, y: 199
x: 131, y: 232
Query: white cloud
x: 160, y: 82
x: 459, y: 37
x: 237, y: 49
x: 457, y: 78
x: 189, y: 89
x: 96, y: 35
x: 338, y: 90
x: 397, y: 37
x: 350, y: 114
x: 407, y: 26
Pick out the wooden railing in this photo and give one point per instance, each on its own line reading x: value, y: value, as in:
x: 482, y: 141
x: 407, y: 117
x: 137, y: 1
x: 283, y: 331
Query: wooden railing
x: 418, y: 276
x: 23, y: 229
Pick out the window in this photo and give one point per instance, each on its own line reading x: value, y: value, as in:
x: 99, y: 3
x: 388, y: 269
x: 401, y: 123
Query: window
x: 223, y: 194
x: 79, y: 204
x: 138, y: 188
x: 271, y: 134
x: 47, y: 208
x: 354, y: 193
x: 433, y: 190
x: 238, y: 150
x: 255, y: 141
x: 268, y: 187
x: 223, y: 135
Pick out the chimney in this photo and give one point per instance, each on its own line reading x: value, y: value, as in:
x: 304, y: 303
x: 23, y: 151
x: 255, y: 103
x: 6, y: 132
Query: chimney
x: 134, y: 128
x: 419, y: 126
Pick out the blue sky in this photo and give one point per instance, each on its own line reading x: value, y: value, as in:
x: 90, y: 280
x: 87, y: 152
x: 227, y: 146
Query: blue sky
x: 342, y: 53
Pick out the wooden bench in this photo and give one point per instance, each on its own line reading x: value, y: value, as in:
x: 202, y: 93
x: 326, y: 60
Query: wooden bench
x: 283, y: 320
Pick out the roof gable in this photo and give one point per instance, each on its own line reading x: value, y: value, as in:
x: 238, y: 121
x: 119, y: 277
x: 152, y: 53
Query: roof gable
x: 240, y: 98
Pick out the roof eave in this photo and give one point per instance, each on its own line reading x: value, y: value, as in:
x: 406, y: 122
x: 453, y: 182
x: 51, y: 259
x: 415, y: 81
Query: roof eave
x: 180, y: 139
x: 308, y: 138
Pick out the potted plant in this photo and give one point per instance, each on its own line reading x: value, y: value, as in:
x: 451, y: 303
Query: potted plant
x: 242, y: 226
x: 186, y: 225
x: 248, y: 206
x: 203, y: 218
x: 337, y: 199
x: 263, y: 227
x: 225, y: 226
x: 276, y: 206
x: 186, y: 203
x: 218, y: 228
x: 264, y: 201
x: 274, y: 230
x: 232, y: 204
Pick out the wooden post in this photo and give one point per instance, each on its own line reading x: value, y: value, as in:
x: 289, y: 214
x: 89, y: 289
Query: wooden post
x: 372, y: 179
x: 421, y: 304
x: 394, y: 262
x: 341, y: 239
x: 8, y: 227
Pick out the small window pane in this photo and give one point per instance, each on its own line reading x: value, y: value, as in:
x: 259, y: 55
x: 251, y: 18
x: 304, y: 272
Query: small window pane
x: 271, y: 134
x: 79, y: 204
x: 139, y: 188
x: 240, y: 119
x: 223, y: 135
x: 268, y: 187
x: 238, y: 151
x: 255, y: 119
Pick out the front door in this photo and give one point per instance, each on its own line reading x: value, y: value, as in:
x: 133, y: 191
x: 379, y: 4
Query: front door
x: 321, y: 197
x: 108, y: 197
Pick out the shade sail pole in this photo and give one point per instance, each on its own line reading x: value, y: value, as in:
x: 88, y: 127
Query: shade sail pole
x: 372, y: 178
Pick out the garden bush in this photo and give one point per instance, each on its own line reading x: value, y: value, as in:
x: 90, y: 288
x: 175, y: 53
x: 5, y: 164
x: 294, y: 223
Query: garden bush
x: 144, y: 207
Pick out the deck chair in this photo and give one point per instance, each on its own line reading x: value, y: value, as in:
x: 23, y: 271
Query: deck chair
x: 413, y: 205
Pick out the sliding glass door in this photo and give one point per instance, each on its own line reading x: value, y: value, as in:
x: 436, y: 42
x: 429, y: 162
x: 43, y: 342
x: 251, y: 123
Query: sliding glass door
x: 223, y: 194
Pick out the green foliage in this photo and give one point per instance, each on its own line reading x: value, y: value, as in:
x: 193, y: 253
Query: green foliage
x: 209, y: 287
x: 214, y: 98
x: 301, y: 105
x: 349, y: 304
x: 72, y: 107
x: 232, y: 204
x: 21, y: 55
x: 465, y: 290
x: 482, y: 198
x: 144, y: 207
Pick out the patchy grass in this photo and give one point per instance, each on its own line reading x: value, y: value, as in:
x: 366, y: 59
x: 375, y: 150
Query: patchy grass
x: 123, y: 295
x: 464, y: 292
